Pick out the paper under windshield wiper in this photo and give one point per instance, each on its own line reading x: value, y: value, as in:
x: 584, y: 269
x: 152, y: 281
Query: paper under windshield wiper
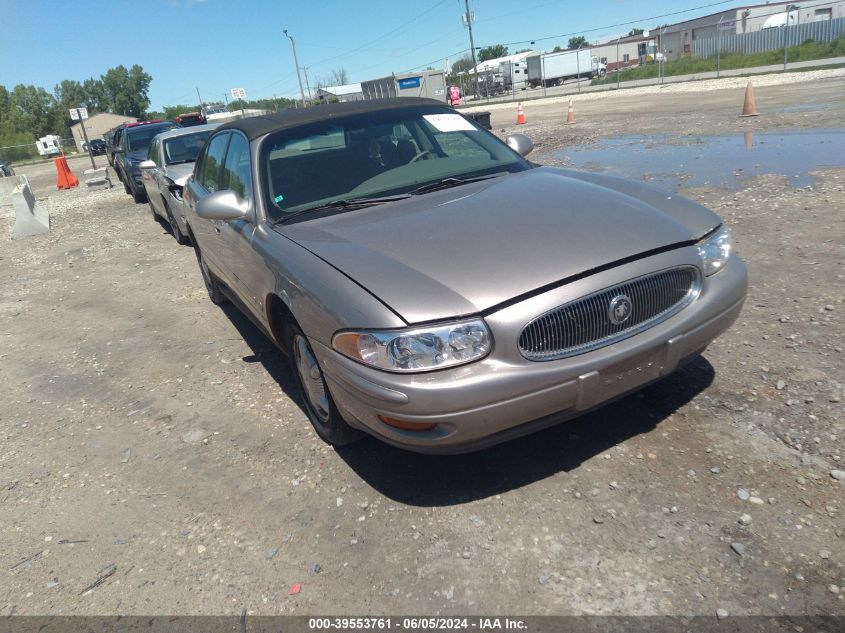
x: 453, y: 181
x: 344, y: 203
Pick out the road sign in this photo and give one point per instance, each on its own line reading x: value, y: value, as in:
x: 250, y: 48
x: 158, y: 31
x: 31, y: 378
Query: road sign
x: 78, y: 113
x: 238, y: 93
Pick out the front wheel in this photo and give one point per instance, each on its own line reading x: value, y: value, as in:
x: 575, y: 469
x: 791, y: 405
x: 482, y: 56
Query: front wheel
x: 181, y: 238
x: 138, y: 195
x: 319, y: 406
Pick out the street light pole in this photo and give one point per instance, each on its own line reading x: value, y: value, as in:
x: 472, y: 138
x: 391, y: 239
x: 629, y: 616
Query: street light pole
x: 296, y: 63
x: 472, y: 48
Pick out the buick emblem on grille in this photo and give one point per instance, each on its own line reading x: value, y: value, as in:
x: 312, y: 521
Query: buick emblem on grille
x: 619, y: 309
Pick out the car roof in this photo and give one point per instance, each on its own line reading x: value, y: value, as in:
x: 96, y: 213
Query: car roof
x: 147, y: 126
x: 255, y: 127
x: 187, y: 131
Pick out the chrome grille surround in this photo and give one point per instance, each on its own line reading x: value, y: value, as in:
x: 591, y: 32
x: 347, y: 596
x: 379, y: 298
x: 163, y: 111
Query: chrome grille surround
x: 583, y: 325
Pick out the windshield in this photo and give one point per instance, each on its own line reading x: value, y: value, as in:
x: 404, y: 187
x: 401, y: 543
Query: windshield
x: 140, y: 138
x: 184, y: 148
x: 375, y: 154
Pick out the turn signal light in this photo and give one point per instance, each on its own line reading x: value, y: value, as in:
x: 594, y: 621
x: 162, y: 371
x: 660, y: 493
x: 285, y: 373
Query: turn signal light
x: 407, y: 426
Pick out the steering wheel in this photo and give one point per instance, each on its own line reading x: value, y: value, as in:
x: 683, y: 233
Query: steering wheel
x: 419, y: 155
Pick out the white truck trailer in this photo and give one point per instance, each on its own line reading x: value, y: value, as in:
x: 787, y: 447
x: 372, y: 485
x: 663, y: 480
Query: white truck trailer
x: 552, y: 69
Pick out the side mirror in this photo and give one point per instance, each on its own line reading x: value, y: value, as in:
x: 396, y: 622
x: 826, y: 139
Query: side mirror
x: 223, y: 206
x: 147, y: 164
x: 520, y: 143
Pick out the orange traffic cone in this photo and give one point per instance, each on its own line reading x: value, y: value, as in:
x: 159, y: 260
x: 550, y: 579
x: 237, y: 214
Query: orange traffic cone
x: 749, y: 108
x: 520, y: 114
x: 66, y: 179
x: 570, y: 114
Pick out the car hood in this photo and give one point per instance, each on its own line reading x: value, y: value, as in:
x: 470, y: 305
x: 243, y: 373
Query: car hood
x: 180, y: 173
x: 464, y: 250
x: 137, y: 155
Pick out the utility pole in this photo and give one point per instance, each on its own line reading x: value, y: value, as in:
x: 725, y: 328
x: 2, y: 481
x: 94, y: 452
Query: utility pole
x: 617, y: 63
x: 85, y: 136
x: 789, y: 7
x: 472, y: 48
x: 719, y: 47
x: 307, y: 85
x: 202, y: 105
x: 296, y: 63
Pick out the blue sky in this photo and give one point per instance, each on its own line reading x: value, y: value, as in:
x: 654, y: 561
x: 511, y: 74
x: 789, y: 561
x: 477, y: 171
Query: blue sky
x: 216, y: 45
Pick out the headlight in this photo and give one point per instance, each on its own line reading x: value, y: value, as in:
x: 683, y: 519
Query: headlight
x: 715, y: 251
x: 417, y: 349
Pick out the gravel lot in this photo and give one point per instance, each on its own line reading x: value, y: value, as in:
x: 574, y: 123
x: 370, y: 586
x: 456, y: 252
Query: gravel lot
x: 151, y: 439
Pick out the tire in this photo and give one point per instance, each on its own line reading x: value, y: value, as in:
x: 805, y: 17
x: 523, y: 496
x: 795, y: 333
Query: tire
x: 125, y: 182
x: 181, y: 238
x: 211, y: 284
x: 138, y: 196
x: 319, y: 405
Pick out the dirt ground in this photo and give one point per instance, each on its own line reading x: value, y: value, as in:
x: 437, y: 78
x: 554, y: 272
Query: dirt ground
x: 152, y: 439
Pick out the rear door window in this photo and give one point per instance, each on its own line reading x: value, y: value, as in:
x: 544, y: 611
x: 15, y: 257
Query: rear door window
x: 212, y: 160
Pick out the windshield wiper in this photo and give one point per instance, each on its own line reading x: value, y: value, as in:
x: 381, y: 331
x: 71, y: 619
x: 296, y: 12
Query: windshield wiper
x: 182, y: 162
x: 343, y: 203
x: 452, y: 181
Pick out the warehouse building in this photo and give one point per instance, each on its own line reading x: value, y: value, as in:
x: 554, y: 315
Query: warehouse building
x: 676, y: 40
x: 96, y: 126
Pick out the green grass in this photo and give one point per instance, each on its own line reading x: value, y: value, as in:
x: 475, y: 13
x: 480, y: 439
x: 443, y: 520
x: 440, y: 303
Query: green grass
x: 729, y: 61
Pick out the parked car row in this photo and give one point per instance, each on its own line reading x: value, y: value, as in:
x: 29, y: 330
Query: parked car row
x: 431, y: 286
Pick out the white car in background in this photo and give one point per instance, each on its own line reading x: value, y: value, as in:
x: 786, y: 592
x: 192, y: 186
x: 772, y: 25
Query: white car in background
x: 169, y: 164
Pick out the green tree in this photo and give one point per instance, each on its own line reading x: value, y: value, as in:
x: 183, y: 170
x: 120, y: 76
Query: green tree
x: 30, y: 110
x: 522, y: 50
x: 577, y: 41
x: 127, y: 90
x: 633, y: 32
x: 557, y: 49
x: 462, y: 65
x: 492, y: 52
x: 95, y: 95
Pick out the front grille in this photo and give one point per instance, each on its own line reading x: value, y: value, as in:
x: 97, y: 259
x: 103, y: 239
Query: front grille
x: 585, y: 324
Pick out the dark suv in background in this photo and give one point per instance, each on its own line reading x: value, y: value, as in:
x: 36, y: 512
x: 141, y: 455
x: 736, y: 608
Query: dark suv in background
x: 131, y: 149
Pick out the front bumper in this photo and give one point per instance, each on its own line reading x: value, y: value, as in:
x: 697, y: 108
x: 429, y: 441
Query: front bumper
x: 505, y: 395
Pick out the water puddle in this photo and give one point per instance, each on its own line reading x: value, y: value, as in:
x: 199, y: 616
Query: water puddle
x: 676, y: 162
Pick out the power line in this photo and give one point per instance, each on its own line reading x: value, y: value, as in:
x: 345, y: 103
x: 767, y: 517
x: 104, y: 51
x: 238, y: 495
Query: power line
x: 381, y: 37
